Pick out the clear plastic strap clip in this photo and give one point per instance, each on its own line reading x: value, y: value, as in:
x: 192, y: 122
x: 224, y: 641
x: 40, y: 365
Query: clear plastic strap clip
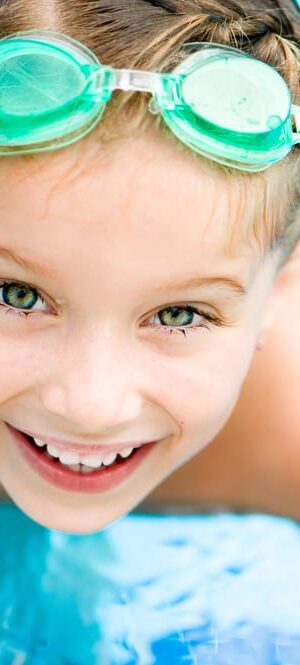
x: 296, y: 115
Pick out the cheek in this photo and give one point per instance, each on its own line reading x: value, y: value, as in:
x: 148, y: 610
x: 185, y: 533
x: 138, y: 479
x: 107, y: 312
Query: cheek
x: 201, y: 392
x: 21, y: 365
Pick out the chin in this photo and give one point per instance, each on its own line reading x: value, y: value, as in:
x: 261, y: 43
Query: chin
x: 67, y: 520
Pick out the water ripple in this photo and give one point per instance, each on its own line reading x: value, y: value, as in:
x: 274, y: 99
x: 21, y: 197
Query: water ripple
x: 151, y: 590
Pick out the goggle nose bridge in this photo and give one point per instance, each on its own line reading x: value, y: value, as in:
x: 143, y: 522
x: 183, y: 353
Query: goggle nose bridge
x: 164, y: 87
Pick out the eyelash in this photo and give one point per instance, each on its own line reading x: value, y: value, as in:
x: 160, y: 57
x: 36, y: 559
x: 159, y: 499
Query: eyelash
x: 207, y: 318
x: 169, y: 330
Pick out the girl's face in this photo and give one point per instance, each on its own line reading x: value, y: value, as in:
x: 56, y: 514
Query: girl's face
x: 141, y: 329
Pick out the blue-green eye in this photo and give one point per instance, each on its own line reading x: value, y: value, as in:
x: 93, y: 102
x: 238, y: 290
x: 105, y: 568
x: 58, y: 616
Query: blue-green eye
x: 183, y: 319
x: 21, y: 297
x: 177, y: 316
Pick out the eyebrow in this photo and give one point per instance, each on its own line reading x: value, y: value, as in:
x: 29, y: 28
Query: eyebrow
x: 229, y: 282
x: 26, y: 264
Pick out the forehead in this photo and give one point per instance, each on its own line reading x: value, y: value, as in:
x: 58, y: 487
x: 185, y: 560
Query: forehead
x: 142, y: 191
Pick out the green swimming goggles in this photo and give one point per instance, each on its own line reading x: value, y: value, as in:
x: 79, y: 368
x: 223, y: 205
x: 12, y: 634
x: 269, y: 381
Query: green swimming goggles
x: 219, y: 101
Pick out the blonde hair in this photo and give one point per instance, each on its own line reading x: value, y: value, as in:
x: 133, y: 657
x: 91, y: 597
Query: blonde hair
x: 150, y: 35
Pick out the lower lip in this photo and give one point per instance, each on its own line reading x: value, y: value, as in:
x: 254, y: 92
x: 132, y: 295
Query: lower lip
x: 96, y: 481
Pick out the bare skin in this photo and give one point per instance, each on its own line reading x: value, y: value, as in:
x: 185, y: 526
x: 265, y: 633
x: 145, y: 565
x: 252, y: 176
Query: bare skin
x: 135, y: 381
x: 253, y: 464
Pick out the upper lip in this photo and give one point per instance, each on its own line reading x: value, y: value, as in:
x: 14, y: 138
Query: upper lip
x: 85, y: 448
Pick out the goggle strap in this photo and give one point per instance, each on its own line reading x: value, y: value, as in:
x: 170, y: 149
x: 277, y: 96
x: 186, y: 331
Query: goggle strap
x: 295, y: 112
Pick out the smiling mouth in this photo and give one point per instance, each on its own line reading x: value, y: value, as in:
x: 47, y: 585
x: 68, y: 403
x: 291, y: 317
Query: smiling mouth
x: 78, y: 467
x: 79, y: 477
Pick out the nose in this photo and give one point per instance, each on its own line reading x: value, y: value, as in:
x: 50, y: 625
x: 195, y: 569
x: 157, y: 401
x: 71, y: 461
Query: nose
x: 92, y: 384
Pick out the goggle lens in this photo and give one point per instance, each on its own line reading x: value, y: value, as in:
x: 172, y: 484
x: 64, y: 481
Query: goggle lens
x: 36, y: 84
x: 233, y: 108
x: 42, y: 100
x: 236, y: 94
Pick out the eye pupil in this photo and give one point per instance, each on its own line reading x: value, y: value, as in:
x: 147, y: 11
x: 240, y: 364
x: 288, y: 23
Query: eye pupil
x: 181, y: 316
x: 17, y: 295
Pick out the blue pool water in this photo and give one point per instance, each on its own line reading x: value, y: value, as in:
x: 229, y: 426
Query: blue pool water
x: 165, y: 590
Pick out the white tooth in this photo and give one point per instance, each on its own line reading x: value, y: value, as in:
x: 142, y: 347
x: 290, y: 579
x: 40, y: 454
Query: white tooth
x: 75, y: 467
x: 91, y: 460
x: 52, y: 451
x: 69, y: 458
x: 126, y: 452
x: 86, y: 469
x: 109, y: 459
x: 39, y: 443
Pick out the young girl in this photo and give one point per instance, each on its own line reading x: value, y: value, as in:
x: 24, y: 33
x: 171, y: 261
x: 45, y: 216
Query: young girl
x: 145, y: 254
